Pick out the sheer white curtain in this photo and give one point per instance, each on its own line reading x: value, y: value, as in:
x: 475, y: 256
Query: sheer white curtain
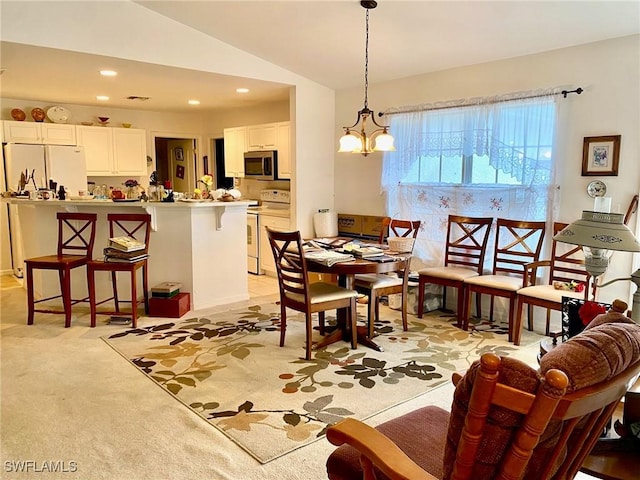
x: 516, y: 134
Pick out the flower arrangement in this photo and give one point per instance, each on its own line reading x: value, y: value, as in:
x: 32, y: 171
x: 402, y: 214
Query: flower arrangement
x: 131, y: 183
x: 589, y: 310
x: 572, y: 286
x: 207, y: 181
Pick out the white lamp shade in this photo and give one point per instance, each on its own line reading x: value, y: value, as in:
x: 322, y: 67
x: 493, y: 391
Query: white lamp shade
x: 599, y: 230
x: 350, y: 143
x: 384, y: 143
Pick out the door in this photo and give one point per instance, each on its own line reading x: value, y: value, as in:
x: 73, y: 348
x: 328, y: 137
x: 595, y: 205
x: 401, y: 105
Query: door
x: 182, y: 166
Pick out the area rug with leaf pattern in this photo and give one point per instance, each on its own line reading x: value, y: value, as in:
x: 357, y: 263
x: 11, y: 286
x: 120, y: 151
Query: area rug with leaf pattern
x: 229, y: 369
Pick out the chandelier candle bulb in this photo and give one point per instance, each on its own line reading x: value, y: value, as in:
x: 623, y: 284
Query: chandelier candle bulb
x: 602, y: 204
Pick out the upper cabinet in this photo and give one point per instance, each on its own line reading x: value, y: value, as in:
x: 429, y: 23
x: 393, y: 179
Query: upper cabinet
x: 42, y: 133
x: 269, y: 136
x: 262, y: 137
x: 235, y: 141
x: 283, y: 146
x: 114, y: 151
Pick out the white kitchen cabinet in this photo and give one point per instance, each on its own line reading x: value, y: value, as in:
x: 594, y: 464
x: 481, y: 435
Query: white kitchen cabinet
x: 114, y: 151
x: 283, y: 146
x: 262, y: 137
x: 40, y: 133
x: 235, y: 140
x: 267, y: 264
x: 130, y: 151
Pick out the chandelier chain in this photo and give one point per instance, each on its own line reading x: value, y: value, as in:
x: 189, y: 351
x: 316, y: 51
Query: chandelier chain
x: 366, y: 62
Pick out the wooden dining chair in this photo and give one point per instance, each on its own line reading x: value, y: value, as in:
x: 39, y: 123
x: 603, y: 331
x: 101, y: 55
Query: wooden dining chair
x: 135, y: 225
x: 298, y: 294
x: 517, y: 244
x: 507, y: 420
x: 377, y: 285
x: 76, y: 235
x: 465, y: 249
x: 566, y: 265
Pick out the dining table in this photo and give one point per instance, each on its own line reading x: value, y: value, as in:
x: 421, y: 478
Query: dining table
x: 346, y: 272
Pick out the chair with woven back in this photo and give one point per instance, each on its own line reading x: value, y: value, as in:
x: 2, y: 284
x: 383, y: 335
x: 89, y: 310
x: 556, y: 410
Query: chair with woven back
x: 465, y: 248
x: 377, y: 285
x: 297, y: 293
x: 508, y: 421
x: 137, y: 226
x: 76, y: 236
x: 517, y: 244
x: 566, y: 268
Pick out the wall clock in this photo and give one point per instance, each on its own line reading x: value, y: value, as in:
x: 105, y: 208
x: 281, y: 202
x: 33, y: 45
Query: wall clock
x: 597, y: 188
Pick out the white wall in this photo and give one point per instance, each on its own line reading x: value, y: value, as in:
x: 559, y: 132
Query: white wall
x: 609, y: 71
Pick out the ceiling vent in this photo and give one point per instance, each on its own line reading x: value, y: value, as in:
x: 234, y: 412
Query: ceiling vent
x: 135, y: 97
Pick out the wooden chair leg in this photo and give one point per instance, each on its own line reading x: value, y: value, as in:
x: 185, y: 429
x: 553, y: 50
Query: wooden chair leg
x: 512, y: 305
x: 405, y: 322
x: 145, y: 286
x: 283, y: 323
x: 421, y: 284
x: 308, y: 343
x: 30, y: 295
x: 491, y: 304
x: 517, y: 326
x: 478, y: 305
x: 530, y: 317
x: 353, y: 318
x: 134, y: 300
x: 65, y: 286
x: 114, y: 288
x: 91, y: 285
x: 548, y: 325
x: 444, y: 298
x: 321, y: 322
x: 371, y: 312
x: 464, y: 300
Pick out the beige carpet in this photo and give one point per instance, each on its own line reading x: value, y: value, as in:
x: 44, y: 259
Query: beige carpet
x: 68, y: 397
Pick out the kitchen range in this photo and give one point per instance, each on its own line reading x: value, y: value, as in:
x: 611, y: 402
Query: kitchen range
x: 274, y: 212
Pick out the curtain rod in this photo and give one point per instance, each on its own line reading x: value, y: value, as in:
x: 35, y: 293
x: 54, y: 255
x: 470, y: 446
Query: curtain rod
x: 471, y: 103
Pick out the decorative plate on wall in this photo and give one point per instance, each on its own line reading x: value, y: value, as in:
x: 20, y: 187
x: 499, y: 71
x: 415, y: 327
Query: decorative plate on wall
x: 58, y: 114
x: 597, y: 188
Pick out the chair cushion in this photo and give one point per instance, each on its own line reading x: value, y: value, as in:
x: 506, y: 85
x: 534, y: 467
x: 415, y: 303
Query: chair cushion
x: 601, y: 351
x: 501, y: 423
x: 547, y: 292
x: 499, y: 282
x: 373, y: 281
x: 420, y: 434
x: 323, y: 292
x: 450, y: 273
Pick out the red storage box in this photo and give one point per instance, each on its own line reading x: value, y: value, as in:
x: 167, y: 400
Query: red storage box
x: 173, y: 307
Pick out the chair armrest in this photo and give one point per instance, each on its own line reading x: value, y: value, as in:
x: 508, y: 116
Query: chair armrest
x: 378, y: 449
x: 531, y: 270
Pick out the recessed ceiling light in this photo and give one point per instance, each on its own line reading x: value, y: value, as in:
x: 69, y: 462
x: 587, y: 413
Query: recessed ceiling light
x: 103, y: 98
x: 242, y: 90
x: 108, y: 73
x: 194, y: 102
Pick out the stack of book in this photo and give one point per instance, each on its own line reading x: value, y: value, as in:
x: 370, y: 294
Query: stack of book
x: 125, y: 249
x: 166, y: 290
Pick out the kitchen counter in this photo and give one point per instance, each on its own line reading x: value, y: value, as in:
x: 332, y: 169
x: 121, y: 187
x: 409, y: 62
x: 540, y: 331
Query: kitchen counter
x: 199, y: 244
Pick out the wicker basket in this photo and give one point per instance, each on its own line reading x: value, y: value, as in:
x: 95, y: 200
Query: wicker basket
x: 400, y: 244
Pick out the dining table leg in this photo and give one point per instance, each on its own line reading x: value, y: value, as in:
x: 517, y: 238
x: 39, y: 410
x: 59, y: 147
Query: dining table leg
x: 342, y: 332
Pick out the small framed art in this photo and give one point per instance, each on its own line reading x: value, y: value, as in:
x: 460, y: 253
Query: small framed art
x: 601, y: 156
x: 179, y: 154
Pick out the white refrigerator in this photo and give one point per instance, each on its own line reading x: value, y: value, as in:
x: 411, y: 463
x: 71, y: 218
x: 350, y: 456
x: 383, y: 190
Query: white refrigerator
x: 66, y: 165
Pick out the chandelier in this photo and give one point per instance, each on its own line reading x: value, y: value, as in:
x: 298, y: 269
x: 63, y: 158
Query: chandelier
x: 379, y: 140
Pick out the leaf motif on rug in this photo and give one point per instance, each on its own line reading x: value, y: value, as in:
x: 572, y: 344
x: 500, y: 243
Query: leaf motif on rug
x: 229, y: 369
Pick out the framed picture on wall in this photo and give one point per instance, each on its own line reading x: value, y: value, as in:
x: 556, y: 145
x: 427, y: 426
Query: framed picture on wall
x: 179, y: 154
x: 601, y: 155
x: 180, y: 171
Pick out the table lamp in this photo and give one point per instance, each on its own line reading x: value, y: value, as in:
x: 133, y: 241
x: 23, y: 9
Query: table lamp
x: 600, y: 234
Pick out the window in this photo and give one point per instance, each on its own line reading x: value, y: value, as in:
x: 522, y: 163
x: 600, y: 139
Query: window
x: 478, y: 159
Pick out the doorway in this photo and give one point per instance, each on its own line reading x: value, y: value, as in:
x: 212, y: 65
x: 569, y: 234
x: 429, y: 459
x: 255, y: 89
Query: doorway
x: 217, y: 146
x: 177, y: 162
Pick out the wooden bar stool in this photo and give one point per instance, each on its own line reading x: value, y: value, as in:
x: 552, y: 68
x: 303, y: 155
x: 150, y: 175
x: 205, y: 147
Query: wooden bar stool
x: 135, y: 225
x: 76, y: 234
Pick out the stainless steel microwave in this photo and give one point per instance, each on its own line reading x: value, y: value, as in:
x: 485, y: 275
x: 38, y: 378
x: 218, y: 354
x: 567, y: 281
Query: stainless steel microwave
x: 261, y: 165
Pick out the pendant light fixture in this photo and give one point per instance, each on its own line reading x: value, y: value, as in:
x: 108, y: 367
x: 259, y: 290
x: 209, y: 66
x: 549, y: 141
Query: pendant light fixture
x: 379, y: 140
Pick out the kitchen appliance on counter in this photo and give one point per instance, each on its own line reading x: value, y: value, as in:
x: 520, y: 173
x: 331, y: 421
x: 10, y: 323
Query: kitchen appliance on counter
x: 273, y: 202
x: 261, y: 165
x: 65, y: 165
